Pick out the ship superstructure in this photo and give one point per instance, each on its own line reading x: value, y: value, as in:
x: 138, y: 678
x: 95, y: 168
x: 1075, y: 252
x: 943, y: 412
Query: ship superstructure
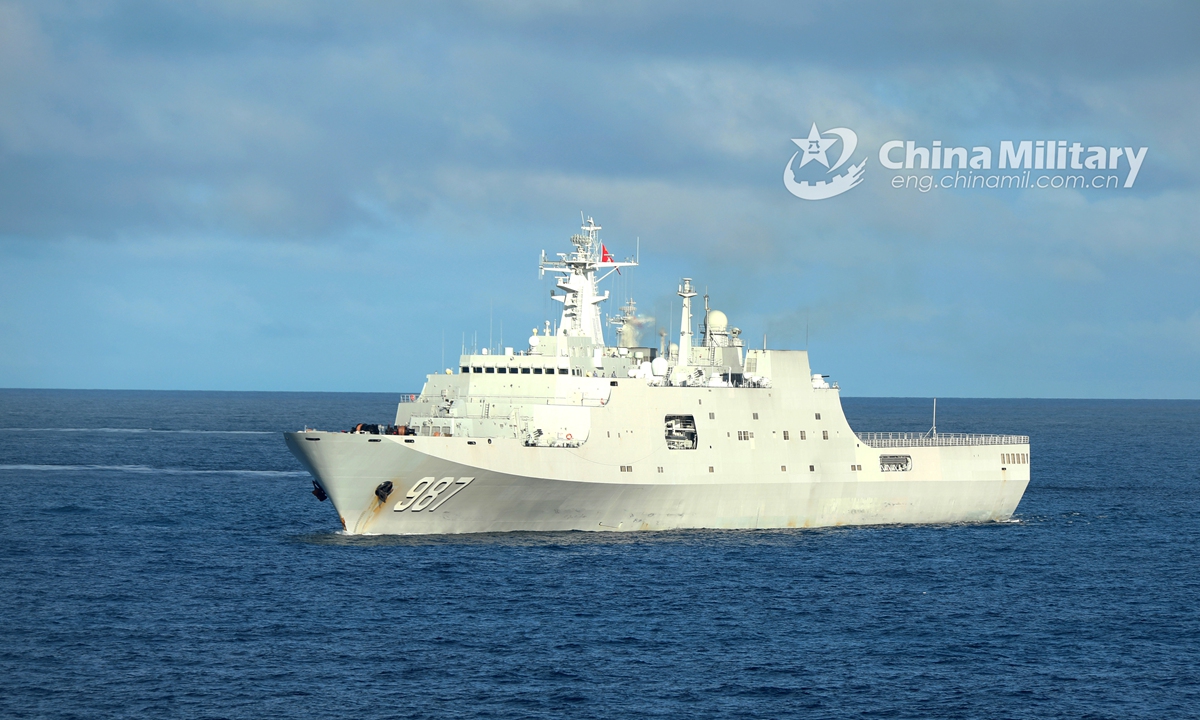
x: 570, y: 433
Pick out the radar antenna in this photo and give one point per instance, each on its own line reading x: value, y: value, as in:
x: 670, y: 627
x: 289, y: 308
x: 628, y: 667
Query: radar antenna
x: 576, y: 276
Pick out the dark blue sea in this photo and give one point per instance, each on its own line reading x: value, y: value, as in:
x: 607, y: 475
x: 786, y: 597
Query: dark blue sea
x: 162, y: 556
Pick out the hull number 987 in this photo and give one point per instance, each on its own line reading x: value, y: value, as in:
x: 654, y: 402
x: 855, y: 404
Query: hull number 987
x: 430, y: 494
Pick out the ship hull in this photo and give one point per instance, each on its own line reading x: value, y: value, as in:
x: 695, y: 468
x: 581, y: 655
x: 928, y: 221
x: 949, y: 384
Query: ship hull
x: 431, y: 493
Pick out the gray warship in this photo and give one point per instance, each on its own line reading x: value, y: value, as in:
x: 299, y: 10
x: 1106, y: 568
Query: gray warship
x: 570, y: 433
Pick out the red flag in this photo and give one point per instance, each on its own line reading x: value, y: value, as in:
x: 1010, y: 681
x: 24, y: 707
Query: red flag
x: 606, y: 256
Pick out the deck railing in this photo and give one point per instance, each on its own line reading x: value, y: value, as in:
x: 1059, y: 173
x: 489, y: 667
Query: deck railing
x: 902, y: 439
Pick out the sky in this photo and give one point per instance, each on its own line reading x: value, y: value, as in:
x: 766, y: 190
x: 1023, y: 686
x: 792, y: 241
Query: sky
x: 315, y: 196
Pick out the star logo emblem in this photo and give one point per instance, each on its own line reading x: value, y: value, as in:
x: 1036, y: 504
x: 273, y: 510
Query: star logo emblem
x: 814, y: 147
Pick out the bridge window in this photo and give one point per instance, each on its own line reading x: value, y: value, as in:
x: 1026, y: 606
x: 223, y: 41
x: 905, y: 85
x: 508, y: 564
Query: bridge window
x: 489, y: 370
x: 478, y: 369
x: 464, y: 369
x: 537, y: 371
x: 524, y: 371
x: 561, y: 371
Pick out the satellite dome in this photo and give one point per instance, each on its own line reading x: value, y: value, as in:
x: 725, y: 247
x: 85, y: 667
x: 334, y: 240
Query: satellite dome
x: 717, y: 322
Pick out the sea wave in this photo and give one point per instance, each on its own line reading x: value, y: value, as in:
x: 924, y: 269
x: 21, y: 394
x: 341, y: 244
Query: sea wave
x: 147, y: 470
x: 140, y: 430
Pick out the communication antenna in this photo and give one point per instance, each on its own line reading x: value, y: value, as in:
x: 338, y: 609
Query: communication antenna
x: 933, y: 430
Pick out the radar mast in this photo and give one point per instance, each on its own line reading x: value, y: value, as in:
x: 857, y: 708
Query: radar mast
x: 576, y: 277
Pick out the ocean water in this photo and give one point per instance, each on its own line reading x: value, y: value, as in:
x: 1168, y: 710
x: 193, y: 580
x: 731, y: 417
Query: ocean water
x: 162, y: 556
